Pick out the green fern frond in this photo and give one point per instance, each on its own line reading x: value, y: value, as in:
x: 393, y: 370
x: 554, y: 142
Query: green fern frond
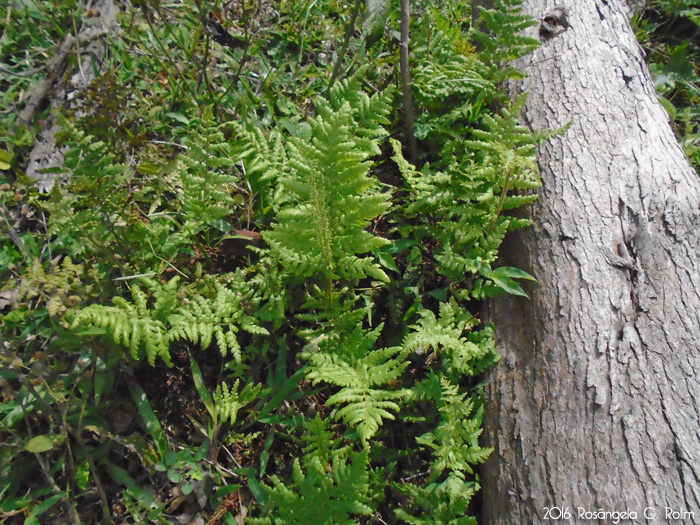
x: 444, y: 337
x: 445, y: 503
x: 321, y: 224
x: 204, y: 319
x: 261, y: 157
x: 365, y: 377
x: 321, y: 442
x: 445, y: 495
x: 335, y: 493
x: 207, y: 182
x: 135, y: 325
x: 228, y: 401
x: 153, y: 320
x: 454, y: 442
x: 503, y: 41
x: 466, y: 198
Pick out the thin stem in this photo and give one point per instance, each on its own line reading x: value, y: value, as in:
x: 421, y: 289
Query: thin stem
x: 406, y: 80
x: 349, y: 30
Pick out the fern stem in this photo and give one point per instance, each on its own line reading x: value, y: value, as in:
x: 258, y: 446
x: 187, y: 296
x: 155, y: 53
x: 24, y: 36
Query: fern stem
x: 501, y: 201
x: 330, y: 294
x: 406, y: 80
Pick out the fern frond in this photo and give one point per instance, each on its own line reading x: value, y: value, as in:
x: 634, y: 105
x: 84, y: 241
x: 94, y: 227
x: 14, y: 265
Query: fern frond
x: 445, y: 495
x: 321, y: 442
x: 334, y: 493
x: 228, y: 401
x: 321, y: 226
x: 445, y: 503
x: 444, y: 336
x: 454, y: 442
x: 207, y: 182
x: 504, y: 41
x: 133, y: 324
x: 205, y: 319
x: 364, y: 376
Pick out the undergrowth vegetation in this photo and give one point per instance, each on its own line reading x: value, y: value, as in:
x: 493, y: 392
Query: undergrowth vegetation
x: 250, y: 295
x: 669, y: 31
x: 245, y: 298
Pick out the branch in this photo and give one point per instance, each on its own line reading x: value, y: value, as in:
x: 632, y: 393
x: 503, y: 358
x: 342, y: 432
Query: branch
x: 406, y: 80
x: 53, y: 72
x: 53, y: 68
x: 349, y: 30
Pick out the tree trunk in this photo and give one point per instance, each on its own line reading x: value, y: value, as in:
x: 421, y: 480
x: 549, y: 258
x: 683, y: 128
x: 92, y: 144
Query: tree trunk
x: 596, y: 403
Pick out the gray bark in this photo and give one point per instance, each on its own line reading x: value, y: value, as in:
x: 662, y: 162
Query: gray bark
x: 595, y: 405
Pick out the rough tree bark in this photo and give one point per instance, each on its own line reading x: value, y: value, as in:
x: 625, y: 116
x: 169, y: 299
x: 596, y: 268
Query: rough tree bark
x: 596, y: 403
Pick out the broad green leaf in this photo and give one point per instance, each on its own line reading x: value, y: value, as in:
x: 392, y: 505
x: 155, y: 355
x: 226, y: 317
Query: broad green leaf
x: 180, y: 118
x: 44, y: 443
x: 82, y: 476
x: 387, y: 261
x: 513, y: 273
x: 668, y: 106
x: 201, y: 387
x: 5, y: 159
x: 509, y: 285
x: 149, y: 417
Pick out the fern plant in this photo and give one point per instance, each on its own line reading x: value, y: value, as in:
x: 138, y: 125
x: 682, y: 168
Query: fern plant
x: 356, y: 310
x: 333, y: 492
x: 229, y: 400
x: 499, y: 33
x: 161, y: 314
x: 321, y: 225
x: 470, y: 179
x: 364, y: 375
x: 209, y: 182
x: 156, y: 212
x: 446, y: 493
x: 138, y: 325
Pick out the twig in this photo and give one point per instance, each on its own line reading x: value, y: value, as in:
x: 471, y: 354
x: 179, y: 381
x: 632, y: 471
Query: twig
x: 42, y: 88
x: 349, y: 30
x: 406, y: 80
x: 53, y: 70
x: 14, y: 237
